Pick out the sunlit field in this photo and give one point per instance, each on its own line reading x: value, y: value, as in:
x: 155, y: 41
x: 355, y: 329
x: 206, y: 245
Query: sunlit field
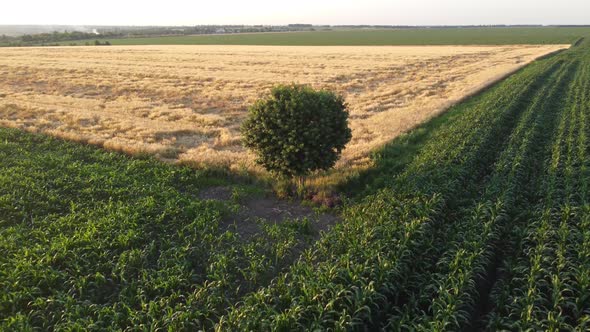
x: 186, y: 103
x: 478, y: 219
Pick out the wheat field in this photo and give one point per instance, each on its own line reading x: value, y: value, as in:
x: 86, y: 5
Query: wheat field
x: 186, y: 103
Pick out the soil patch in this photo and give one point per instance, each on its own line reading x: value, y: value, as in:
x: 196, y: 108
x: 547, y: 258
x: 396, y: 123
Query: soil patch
x: 268, y: 209
x: 216, y: 193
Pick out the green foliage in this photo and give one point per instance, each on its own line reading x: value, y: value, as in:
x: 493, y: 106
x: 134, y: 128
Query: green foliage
x: 55, y: 38
x: 546, y: 284
x: 99, y: 43
x: 97, y: 241
x: 296, y: 130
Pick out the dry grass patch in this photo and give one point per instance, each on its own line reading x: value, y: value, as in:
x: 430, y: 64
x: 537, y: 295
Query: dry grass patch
x: 186, y: 103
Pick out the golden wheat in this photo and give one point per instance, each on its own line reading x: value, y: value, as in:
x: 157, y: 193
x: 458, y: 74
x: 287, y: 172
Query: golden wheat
x: 186, y: 103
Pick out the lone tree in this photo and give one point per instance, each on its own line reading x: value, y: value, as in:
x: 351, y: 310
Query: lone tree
x: 296, y: 130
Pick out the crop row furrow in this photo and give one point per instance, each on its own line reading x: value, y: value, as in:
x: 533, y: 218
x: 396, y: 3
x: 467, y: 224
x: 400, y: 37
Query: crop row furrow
x: 455, y: 230
x: 363, y: 267
x: 472, y: 254
x: 478, y: 159
x: 535, y: 292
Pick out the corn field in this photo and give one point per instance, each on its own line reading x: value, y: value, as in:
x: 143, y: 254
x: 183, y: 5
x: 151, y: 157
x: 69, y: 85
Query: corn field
x: 485, y: 228
x: 478, y: 220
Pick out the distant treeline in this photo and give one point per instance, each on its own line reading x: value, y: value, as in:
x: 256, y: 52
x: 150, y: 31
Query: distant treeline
x: 435, y: 26
x: 207, y: 29
x: 451, y: 26
x: 47, y: 39
x: 61, y: 38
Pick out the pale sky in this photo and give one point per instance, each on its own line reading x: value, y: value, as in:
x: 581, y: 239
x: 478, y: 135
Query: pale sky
x: 374, y: 12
